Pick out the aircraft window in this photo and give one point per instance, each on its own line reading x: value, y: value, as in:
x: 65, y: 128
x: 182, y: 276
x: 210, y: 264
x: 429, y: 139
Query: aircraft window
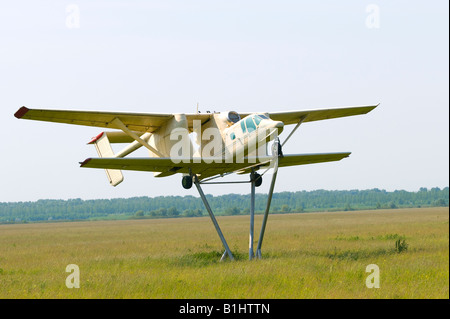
x: 257, y: 119
x: 232, y: 135
x: 243, y: 126
x: 250, y: 124
x: 263, y: 117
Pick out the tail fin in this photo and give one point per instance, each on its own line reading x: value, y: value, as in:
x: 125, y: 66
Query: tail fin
x: 104, y: 149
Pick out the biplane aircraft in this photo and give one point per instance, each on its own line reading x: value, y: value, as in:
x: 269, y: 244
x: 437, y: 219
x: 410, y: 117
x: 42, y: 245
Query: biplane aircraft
x: 223, y: 143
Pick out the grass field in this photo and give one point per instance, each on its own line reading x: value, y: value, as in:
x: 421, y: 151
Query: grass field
x: 314, y: 255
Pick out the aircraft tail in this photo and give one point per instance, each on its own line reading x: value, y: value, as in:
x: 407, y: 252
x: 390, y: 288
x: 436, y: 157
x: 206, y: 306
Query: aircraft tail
x: 104, y: 149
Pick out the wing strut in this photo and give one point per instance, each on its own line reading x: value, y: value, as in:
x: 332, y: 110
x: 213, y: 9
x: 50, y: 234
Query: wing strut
x: 295, y: 128
x: 133, y: 135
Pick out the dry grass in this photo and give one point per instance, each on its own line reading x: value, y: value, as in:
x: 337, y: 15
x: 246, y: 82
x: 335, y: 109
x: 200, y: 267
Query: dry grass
x: 317, y: 255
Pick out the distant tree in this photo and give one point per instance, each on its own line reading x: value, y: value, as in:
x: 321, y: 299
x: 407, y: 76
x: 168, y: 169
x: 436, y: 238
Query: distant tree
x: 173, y: 212
x: 441, y: 202
x: 139, y: 213
x: 198, y: 212
x: 190, y: 206
x: 232, y: 211
x: 188, y: 213
x: 162, y: 212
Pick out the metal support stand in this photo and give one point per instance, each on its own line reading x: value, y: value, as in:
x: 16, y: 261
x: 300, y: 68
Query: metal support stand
x: 252, y: 215
x: 272, y: 185
x: 216, y: 225
x: 269, y: 200
x: 266, y: 215
x: 253, y: 178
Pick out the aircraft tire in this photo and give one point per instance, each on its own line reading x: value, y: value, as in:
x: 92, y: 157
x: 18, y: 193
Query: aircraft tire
x: 258, y: 180
x: 187, y: 182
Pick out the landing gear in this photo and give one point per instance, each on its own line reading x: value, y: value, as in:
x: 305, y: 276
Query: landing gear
x: 276, y: 148
x: 257, y: 178
x: 187, y: 181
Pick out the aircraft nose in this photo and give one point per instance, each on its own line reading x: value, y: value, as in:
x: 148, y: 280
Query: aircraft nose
x: 279, y: 124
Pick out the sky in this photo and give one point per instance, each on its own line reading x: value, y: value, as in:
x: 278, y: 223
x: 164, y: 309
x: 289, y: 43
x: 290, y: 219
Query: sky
x: 245, y: 56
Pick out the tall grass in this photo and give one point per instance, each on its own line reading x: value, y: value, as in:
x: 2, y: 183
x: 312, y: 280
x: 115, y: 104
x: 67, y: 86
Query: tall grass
x: 321, y: 255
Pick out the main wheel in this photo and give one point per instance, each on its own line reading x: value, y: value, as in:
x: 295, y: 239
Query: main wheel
x: 187, y: 182
x: 258, y: 179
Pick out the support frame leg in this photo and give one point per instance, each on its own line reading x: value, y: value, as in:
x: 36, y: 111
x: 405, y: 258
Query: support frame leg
x: 213, y: 219
x: 266, y: 216
x: 252, y: 216
x: 266, y: 212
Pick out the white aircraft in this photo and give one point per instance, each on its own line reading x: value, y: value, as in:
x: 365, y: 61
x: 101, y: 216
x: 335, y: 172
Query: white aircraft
x: 236, y: 142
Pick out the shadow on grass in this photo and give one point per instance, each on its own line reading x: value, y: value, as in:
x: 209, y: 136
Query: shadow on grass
x: 204, y: 259
x: 399, y: 247
x: 208, y: 258
x: 358, y: 254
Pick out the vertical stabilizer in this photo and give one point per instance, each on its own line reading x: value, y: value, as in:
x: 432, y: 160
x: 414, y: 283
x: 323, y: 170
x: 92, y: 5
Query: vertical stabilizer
x: 104, y: 149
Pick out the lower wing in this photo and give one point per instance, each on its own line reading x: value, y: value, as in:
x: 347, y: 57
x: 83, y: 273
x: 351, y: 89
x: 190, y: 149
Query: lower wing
x: 207, y: 167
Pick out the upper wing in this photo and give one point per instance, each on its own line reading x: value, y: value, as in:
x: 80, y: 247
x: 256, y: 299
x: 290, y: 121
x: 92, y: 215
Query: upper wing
x: 150, y: 122
x: 206, y: 167
x: 293, y: 117
x: 139, y: 122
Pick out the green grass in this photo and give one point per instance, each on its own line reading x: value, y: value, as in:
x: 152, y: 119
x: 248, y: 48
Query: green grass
x: 314, y: 255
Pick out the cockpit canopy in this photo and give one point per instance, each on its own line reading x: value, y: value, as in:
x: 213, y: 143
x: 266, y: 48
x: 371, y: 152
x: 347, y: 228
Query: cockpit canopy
x: 252, y: 122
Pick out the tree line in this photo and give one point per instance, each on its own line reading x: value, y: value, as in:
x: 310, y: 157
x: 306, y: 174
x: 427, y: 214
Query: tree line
x: 232, y: 204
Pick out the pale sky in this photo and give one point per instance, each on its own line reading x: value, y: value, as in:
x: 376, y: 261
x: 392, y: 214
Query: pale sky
x: 165, y: 56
